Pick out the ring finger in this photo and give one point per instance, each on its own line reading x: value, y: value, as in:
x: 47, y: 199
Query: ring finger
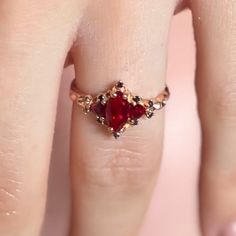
x: 112, y: 180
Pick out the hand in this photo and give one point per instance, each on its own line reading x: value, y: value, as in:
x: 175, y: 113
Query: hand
x: 112, y: 180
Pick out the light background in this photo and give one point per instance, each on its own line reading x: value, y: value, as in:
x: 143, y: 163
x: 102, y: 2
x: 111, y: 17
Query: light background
x: 173, y: 211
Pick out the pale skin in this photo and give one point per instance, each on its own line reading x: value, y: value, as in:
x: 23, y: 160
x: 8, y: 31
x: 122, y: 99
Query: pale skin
x: 112, y: 181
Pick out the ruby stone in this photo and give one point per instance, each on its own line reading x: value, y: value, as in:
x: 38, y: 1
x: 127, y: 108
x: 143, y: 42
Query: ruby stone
x: 99, y: 109
x: 117, y: 111
x: 136, y: 112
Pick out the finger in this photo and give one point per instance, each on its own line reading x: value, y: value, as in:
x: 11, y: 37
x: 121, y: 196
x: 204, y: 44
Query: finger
x: 181, y: 5
x: 216, y: 84
x: 112, y: 180
x: 69, y: 60
x: 31, y: 61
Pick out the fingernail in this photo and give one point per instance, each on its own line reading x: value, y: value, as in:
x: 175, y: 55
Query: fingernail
x: 229, y: 230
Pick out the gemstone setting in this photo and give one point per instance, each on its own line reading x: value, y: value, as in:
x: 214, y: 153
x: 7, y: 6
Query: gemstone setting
x: 99, y: 109
x: 117, y: 108
x: 117, y: 112
x: 137, y: 112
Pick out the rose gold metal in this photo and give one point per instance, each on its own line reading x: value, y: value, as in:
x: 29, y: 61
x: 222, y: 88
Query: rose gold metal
x: 85, y: 100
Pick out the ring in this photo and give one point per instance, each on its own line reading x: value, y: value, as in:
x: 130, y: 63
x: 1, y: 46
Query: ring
x: 117, y: 108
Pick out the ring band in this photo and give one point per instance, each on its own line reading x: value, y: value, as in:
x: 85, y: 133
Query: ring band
x: 117, y: 108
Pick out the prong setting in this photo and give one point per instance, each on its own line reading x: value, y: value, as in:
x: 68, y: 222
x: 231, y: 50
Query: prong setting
x: 101, y: 97
x: 113, y: 94
x: 119, y: 84
x: 125, y: 96
x: 133, y: 122
x: 158, y: 106
x: 149, y: 114
x: 136, y: 99
x: 86, y: 110
x: 100, y: 120
x: 116, y: 135
x: 117, y: 108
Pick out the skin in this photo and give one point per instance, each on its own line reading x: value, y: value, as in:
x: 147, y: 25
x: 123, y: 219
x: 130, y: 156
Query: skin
x: 112, y: 181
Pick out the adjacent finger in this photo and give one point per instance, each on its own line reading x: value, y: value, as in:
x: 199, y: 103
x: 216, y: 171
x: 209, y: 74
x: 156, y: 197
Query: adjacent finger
x: 112, y: 180
x: 69, y: 60
x: 215, y: 31
x: 34, y: 40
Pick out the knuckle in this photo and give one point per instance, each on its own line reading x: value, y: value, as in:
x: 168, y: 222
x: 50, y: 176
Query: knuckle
x: 10, y: 190
x: 11, y: 185
x: 125, y: 167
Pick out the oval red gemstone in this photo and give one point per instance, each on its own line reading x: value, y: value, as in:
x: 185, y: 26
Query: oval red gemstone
x: 99, y: 109
x: 117, y: 112
x: 136, y: 112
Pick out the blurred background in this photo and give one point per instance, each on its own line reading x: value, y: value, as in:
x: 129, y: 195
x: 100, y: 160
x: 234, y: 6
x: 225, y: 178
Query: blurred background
x: 174, y: 210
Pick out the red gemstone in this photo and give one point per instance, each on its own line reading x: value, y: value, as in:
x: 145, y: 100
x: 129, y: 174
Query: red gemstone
x: 117, y: 112
x: 99, y: 109
x: 136, y: 112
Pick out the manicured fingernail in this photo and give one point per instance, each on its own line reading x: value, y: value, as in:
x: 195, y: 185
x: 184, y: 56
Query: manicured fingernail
x: 229, y: 230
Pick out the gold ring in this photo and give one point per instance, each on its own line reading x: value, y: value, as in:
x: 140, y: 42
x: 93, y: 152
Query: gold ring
x: 117, y: 108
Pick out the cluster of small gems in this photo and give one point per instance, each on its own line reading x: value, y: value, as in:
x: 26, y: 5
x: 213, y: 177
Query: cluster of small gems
x: 118, y: 108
